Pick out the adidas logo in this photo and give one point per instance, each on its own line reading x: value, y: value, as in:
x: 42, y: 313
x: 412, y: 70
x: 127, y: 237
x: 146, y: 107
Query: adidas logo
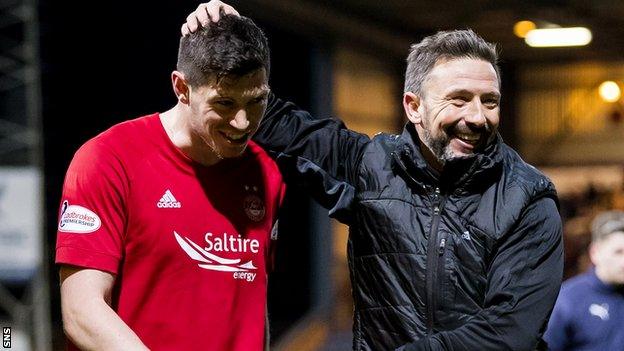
x: 168, y: 201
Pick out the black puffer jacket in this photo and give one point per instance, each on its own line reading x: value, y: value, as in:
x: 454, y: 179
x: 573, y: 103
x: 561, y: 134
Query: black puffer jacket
x: 470, y: 259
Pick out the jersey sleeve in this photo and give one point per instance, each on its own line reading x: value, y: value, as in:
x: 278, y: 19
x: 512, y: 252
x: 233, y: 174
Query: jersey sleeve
x: 92, y: 216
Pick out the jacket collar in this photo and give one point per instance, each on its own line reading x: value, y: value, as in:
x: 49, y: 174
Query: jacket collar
x: 462, y: 175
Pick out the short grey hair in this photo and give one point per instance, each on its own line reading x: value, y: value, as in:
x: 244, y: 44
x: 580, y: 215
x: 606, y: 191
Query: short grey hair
x: 452, y: 44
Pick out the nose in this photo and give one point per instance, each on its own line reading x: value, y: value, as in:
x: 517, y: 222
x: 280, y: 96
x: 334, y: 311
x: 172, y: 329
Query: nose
x: 476, y: 114
x: 240, y: 120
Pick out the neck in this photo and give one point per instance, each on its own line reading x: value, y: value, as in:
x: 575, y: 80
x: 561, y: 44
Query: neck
x: 603, y: 277
x: 176, y: 122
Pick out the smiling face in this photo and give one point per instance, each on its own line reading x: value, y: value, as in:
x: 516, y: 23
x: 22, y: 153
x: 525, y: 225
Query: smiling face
x: 457, y: 113
x: 225, y: 116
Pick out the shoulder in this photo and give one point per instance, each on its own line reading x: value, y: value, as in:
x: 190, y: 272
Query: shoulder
x: 376, y: 158
x: 120, y: 138
x: 575, y: 286
x: 519, y: 173
x: 112, y: 150
x: 381, y: 146
x: 268, y: 165
x: 522, y: 198
x: 574, y: 293
x: 386, y: 141
x: 128, y: 132
x: 259, y: 155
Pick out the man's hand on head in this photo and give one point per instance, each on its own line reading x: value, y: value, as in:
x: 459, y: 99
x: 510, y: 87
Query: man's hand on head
x: 206, y: 12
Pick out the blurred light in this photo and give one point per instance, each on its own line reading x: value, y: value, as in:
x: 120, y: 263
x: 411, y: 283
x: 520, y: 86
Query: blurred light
x: 609, y: 91
x: 553, y: 37
x: 522, y: 28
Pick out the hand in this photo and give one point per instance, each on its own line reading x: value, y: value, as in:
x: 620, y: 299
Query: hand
x: 206, y: 12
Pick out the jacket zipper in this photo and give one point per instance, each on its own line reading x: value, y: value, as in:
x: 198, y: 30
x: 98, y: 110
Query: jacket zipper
x: 434, y: 251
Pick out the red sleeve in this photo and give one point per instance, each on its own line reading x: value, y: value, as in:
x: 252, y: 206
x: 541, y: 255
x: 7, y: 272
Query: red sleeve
x: 92, y: 216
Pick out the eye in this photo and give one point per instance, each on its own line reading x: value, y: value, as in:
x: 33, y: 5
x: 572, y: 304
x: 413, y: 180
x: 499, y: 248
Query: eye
x: 490, y: 102
x: 258, y: 100
x: 459, y: 100
x: 224, y: 103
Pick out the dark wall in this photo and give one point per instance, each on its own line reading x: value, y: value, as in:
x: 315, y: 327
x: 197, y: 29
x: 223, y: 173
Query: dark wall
x: 106, y: 62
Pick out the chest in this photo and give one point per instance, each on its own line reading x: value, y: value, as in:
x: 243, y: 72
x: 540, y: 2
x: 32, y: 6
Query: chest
x: 215, y: 220
x: 599, y: 322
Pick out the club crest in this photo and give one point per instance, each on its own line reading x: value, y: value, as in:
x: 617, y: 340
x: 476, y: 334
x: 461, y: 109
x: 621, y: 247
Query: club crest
x: 254, y: 207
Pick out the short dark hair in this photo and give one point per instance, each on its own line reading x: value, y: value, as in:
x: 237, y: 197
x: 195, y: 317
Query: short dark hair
x: 233, y: 46
x: 445, y: 45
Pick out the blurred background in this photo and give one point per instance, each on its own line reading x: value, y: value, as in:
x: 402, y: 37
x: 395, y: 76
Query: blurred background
x: 69, y: 70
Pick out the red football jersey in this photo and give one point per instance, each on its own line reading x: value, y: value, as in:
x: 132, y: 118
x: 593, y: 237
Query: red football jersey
x: 189, y: 244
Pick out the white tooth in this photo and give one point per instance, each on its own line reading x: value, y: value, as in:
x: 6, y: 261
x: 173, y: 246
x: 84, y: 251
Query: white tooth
x: 468, y: 137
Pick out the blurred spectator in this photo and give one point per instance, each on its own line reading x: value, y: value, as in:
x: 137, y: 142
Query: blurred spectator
x: 589, y: 312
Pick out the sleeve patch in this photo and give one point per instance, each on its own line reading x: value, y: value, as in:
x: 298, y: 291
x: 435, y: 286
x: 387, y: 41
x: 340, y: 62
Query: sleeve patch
x: 78, y: 219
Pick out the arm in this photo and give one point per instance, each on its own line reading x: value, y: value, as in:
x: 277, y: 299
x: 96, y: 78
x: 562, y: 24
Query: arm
x: 522, y: 286
x: 88, y: 320
x: 89, y: 253
x: 322, y: 155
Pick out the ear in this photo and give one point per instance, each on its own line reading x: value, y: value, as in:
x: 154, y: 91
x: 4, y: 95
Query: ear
x: 594, y: 255
x: 411, y: 105
x: 180, y: 87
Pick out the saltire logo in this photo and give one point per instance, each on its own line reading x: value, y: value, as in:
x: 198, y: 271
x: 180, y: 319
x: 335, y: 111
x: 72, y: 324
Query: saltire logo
x: 210, y: 261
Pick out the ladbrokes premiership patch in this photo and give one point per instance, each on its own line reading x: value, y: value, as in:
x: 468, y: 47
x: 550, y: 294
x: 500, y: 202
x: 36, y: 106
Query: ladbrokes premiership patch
x: 78, y: 219
x: 254, y: 207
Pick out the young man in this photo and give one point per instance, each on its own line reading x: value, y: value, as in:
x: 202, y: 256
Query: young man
x: 455, y: 242
x: 589, y: 313
x: 165, y: 225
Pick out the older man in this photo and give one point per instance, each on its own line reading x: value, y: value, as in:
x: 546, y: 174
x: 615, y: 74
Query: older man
x: 455, y: 242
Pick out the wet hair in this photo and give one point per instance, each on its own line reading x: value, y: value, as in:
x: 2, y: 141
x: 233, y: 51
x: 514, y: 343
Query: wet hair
x: 234, y: 46
x: 453, y: 44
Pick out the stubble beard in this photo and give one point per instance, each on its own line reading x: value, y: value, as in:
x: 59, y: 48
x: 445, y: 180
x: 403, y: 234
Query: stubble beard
x: 440, y: 147
x: 216, y: 152
x: 211, y: 144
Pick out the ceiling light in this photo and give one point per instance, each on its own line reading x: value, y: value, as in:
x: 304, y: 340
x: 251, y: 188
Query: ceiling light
x: 523, y: 27
x: 609, y: 91
x: 554, y: 37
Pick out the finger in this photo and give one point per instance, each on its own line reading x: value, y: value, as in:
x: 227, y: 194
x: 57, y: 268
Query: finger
x: 185, y: 30
x: 229, y: 10
x: 191, y: 21
x: 202, y: 14
x: 213, y: 8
